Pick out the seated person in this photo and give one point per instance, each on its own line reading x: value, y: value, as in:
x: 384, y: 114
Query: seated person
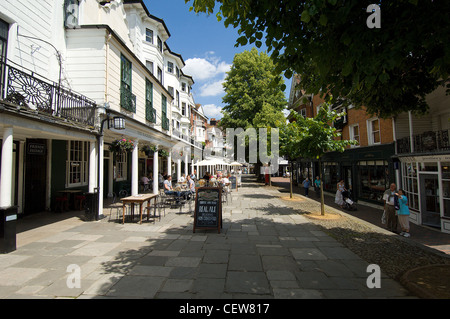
x: 168, y: 188
x: 182, y: 179
x: 191, y: 187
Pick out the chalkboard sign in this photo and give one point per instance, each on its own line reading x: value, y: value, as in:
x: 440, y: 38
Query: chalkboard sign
x: 233, y: 181
x: 208, y: 208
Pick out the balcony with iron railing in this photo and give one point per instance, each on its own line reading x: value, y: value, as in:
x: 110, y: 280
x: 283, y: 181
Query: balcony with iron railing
x: 427, y: 142
x: 127, y: 99
x: 25, y: 88
x: 150, y: 112
x: 165, y: 124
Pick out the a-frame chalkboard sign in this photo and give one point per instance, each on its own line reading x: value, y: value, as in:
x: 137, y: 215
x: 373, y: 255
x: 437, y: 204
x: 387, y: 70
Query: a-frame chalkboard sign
x: 208, y: 208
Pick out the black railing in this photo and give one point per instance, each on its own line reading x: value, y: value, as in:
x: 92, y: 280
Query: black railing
x: 426, y: 142
x: 127, y: 99
x: 165, y: 123
x: 150, y: 112
x: 26, y: 88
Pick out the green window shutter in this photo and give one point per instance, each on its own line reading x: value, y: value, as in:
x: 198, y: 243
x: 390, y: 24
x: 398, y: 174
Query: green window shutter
x: 127, y: 98
x: 150, y: 112
x: 164, y: 119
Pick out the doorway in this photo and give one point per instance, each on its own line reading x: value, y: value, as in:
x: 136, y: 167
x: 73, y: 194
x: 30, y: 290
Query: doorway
x: 430, y: 202
x: 35, y: 176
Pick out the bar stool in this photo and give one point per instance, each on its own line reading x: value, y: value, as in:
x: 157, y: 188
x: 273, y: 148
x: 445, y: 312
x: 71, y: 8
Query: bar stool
x: 79, y: 201
x: 61, y: 203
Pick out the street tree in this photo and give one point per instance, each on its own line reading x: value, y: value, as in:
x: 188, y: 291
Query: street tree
x: 251, y: 98
x: 311, y: 138
x: 335, y: 48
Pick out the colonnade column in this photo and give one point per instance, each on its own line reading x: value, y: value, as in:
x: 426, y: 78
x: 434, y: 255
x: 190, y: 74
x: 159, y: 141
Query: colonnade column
x: 155, y: 172
x: 134, y: 169
x: 6, y: 170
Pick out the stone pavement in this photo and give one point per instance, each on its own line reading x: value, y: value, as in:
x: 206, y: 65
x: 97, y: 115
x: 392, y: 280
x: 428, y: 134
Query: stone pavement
x: 264, y: 250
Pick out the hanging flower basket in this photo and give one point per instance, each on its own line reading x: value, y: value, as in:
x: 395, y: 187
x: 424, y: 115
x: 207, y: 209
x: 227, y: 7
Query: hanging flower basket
x: 163, y: 153
x: 148, y: 150
x: 122, y: 145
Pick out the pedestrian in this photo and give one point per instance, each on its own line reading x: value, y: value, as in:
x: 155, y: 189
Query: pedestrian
x: 403, y: 213
x: 317, y: 186
x: 389, y: 208
x: 306, y: 183
x: 339, y: 199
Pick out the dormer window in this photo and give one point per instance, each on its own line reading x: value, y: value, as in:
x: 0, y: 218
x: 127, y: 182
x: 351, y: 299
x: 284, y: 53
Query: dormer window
x: 149, y: 36
x: 170, y: 67
x: 160, y: 45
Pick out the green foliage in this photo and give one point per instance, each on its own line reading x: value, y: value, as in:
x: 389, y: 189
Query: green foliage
x: 327, y: 42
x: 311, y: 137
x: 253, y: 94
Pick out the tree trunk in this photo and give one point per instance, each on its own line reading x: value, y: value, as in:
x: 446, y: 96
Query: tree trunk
x: 322, y: 201
x: 290, y: 178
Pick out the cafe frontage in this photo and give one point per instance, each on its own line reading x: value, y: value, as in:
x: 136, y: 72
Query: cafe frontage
x: 426, y: 181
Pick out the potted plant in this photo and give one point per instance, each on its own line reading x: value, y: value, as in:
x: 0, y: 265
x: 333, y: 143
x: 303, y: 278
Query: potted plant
x: 148, y: 150
x: 163, y: 153
x: 122, y: 145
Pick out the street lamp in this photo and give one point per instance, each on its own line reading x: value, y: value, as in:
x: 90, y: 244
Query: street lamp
x: 118, y: 123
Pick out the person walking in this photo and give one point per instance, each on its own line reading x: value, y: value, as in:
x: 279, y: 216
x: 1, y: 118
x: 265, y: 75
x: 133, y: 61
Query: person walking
x: 306, y: 183
x: 317, y: 182
x: 403, y: 213
x: 339, y: 199
x: 389, y: 208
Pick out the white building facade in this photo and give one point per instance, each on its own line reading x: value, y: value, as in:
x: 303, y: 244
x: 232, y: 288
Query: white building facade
x: 66, y: 75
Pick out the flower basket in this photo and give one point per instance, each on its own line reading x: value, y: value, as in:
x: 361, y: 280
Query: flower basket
x: 149, y: 150
x: 163, y: 153
x: 121, y: 146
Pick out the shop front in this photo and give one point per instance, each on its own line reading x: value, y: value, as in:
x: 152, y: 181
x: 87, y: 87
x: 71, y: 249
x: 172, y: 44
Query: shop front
x: 426, y: 181
x: 366, y: 171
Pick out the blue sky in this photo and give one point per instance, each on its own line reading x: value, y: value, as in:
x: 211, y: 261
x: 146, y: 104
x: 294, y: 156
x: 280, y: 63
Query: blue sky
x: 207, y: 48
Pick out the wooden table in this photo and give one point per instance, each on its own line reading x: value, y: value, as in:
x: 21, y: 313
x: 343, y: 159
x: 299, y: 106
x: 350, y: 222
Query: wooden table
x: 138, y: 199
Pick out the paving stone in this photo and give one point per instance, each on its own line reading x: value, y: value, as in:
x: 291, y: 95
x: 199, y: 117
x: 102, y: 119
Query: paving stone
x: 308, y: 254
x: 247, y: 282
x: 245, y: 263
x: 136, y: 286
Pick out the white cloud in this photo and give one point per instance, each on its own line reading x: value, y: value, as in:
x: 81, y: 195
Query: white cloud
x: 212, y: 111
x: 206, y: 68
x: 212, y: 89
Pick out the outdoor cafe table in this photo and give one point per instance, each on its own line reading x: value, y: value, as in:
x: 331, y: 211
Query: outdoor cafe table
x: 137, y: 199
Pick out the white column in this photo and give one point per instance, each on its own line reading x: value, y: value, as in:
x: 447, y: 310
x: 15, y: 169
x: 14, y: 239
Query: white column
x: 169, y: 164
x: 134, y: 169
x: 6, y: 170
x: 100, y: 183
x: 186, y: 168
x: 155, y: 172
x: 92, y: 167
x: 178, y: 169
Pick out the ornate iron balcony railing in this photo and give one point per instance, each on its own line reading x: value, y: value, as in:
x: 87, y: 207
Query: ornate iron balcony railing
x: 425, y: 143
x: 150, y: 112
x: 165, y: 123
x: 26, y: 88
x: 127, y: 99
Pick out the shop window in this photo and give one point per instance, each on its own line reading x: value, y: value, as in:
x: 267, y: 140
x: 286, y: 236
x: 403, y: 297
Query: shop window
x: 374, y: 179
x: 330, y: 176
x: 446, y: 187
x: 410, y: 184
x: 121, y: 166
x: 428, y: 167
x: 77, y: 163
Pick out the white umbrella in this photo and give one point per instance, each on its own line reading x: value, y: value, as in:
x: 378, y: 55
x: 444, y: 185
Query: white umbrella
x: 235, y: 164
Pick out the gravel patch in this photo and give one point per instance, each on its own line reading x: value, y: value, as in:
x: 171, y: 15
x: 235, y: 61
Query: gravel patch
x: 394, y: 254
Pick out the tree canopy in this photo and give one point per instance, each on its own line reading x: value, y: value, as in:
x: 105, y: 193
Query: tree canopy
x: 250, y: 99
x: 388, y: 70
